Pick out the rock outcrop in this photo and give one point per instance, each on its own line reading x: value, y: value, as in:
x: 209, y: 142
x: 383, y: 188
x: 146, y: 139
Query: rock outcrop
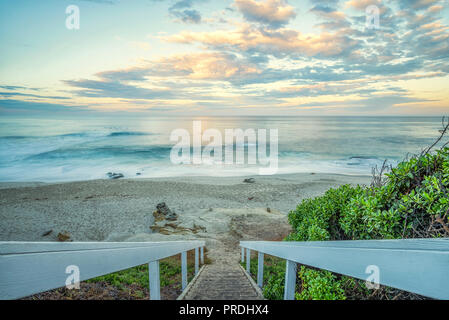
x: 164, y: 210
x: 166, y: 222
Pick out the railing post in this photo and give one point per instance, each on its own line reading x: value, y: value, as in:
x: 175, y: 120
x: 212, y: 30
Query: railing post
x: 184, y: 269
x: 155, y: 283
x: 290, y: 280
x: 248, y: 260
x: 202, y: 255
x: 243, y: 254
x: 197, y: 267
x: 260, y: 270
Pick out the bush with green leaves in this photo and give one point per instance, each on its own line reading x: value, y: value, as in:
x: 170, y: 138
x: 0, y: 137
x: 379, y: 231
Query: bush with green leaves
x: 317, y: 219
x: 412, y: 202
x: 319, y: 285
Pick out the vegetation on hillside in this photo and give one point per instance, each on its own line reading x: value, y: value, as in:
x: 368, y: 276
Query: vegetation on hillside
x: 410, y: 201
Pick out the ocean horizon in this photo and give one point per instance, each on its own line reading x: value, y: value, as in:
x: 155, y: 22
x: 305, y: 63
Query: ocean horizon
x: 56, y: 150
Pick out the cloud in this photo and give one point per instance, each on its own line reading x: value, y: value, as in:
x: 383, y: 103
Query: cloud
x: 343, y: 38
x: 275, y: 42
x: 21, y: 91
x: 183, y: 10
x: 131, y: 74
x: 115, y: 89
x: 188, y: 16
x: 321, y: 89
x: 16, y: 94
x: 272, y: 13
x: 363, y: 4
x: 261, y: 61
x: 418, y: 4
x: 210, y: 66
x: 334, y: 19
x: 254, y: 58
x: 7, y: 87
x: 373, y: 103
x: 435, y: 9
x: 191, y: 68
x: 32, y: 107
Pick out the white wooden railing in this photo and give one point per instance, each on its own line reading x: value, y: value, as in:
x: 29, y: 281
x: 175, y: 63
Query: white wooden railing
x: 27, y: 268
x: 415, y: 265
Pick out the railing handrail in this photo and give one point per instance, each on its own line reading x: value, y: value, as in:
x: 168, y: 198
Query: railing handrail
x: 18, y: 247
x: 414, y: 265
x: 27, y: 268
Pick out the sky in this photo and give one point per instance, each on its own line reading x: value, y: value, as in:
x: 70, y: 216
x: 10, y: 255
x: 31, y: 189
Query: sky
x: 227, y: 57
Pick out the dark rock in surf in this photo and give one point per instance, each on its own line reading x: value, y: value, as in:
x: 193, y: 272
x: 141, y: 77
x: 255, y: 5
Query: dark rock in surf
x: 249, y: 180
x: 113, y: 175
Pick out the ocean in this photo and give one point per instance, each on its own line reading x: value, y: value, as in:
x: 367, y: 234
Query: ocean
x: 50, y: 150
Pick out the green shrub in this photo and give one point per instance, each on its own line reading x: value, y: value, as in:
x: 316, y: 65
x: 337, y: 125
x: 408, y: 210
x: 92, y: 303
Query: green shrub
x: 413, y: 202
x: 319, y: 285
x: 273, y: 285
x: 317, y: 219
x: 371, y: 216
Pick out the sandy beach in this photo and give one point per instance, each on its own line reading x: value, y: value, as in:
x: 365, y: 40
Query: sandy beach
x: 216, y: 209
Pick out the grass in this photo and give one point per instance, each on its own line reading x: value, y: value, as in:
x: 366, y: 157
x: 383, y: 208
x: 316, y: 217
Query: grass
x: 272, y: 266
x: 170, y: 275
